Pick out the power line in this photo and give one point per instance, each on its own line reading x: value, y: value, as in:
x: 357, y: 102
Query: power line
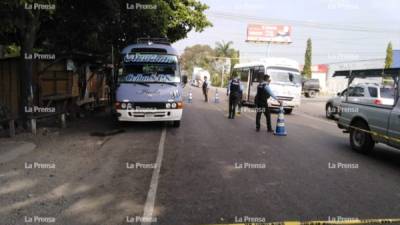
x: 349, y: 41
x: 324, y: 26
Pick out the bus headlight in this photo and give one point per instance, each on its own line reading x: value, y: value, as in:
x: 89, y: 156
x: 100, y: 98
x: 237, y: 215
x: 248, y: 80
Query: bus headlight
x: 168, y: 105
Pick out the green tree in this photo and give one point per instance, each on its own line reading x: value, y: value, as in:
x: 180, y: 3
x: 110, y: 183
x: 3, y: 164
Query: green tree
x: 91, y: 26
x: 225, y: 50
x: 307, y: 60
x: 197, y: 55
x: 389, y: 56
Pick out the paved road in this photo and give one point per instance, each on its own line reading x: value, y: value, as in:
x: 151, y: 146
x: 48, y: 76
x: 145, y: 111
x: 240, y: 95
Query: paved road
x: 201, y: 180
x: 213, y: 170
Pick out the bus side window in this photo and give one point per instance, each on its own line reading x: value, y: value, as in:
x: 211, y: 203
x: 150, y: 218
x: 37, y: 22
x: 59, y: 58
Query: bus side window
x: 235, y: 73
x: 254, y: 76
x: 257, y: 74
x: 244, y: 75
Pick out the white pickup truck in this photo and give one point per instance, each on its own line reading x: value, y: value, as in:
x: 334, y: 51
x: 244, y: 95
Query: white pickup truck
x: 367, y: 123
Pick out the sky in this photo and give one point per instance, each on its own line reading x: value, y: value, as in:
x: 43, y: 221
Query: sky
x: 333, y: 26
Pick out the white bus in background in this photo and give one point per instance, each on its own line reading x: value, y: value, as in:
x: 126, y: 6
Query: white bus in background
x: 285, y: 81
x: 198, y: 76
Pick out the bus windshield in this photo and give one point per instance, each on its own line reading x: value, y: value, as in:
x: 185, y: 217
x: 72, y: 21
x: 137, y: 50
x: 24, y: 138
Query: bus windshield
x: 150, y: 69
x: 287, y: 77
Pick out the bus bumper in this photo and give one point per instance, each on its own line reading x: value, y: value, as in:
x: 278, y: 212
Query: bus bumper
x: 286, y: 104
x: 149, y: 115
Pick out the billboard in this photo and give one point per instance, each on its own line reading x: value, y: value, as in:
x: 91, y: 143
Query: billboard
x: 280, y: 34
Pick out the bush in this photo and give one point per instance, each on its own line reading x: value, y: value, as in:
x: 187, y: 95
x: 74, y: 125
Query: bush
x: 216, y: 80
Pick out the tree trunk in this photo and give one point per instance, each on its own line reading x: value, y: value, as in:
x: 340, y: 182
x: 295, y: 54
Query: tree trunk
x: 28, y: 38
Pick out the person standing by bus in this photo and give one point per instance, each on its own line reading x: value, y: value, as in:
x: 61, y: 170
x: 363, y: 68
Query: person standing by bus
x: 261, y: 101
x: 234, y: 89
x: 205, y: 87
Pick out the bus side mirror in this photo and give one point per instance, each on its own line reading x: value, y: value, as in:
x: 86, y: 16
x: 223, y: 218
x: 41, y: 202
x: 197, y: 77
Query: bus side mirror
x: 184, y: 79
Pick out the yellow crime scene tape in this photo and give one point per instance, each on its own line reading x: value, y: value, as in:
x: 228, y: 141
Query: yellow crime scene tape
x: 345, y: 222
x: 373, y: 133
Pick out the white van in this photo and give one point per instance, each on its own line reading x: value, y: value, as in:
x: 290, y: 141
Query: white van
x: 285, y: 81
x: 149, y: 84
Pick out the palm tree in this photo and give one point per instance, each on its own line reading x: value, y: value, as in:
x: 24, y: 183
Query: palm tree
x: 223, y: 49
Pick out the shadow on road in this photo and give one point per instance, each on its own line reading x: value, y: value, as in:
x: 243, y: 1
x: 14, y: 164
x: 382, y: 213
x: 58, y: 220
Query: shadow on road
x: 382, y: 154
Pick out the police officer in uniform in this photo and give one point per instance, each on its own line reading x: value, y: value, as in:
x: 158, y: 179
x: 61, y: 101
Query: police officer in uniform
x: 206, y: 87
x: 234, y: 89
x: 261, y: 100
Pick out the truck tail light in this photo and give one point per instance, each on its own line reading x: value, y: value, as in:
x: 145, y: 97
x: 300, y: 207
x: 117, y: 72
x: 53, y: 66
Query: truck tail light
x: 377, y: 102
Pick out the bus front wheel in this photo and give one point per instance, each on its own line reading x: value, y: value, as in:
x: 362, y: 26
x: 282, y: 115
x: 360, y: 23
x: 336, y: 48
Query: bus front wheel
x: 177, y: 123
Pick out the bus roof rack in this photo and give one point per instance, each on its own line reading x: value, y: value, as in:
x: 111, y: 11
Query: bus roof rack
x: 394, y: 72
x: 163, y: 41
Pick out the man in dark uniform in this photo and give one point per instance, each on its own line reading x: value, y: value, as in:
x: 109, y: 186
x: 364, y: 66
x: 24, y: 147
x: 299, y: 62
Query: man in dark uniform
x: 206, y: 87
x: 261, y: 100
x: 234, y: 89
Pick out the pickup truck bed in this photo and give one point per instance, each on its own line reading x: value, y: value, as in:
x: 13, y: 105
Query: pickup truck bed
x: 371, y: 123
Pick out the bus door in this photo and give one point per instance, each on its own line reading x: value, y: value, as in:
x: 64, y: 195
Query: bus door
x: 256, y: 76
x: 244, y: 75
x: 245, y: 79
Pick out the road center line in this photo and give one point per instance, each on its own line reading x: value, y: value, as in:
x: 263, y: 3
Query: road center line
x: 151, y: 195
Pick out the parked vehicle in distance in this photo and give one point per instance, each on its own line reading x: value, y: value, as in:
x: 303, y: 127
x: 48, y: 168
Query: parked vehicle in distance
x: 365, y: 93
x: 311, y: 88
x: 198, y: 76
x: 149, y: 83
x: 333, y: 104
x: 285, y: 81
x: 373, y: 119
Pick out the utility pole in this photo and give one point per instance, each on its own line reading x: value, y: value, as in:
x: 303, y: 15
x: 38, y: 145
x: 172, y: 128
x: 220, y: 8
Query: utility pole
x: 222, y: 75
x: 268, y: 48
x: 112, y: 61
